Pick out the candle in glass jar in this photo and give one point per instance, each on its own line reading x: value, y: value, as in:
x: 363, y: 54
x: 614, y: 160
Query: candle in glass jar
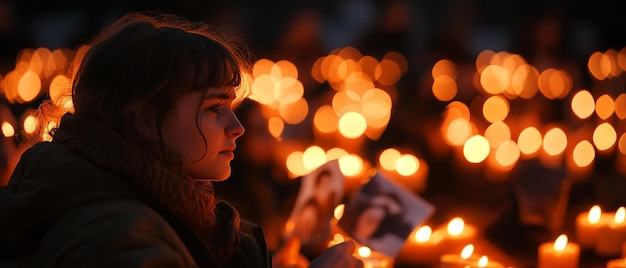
x: 559, y: 254
x: 611, y: 237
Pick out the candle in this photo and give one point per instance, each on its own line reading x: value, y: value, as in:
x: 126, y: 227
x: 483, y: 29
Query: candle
x: 612, y: 236
x: 588, y: 225
x: 466, y: 260
x: 373, y: 259
x: 616, y: 263
x: 559, y: 254
x: 421, y: 248
x: 458, y: 234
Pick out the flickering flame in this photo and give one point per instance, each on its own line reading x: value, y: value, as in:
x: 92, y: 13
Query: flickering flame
x: 313, y: 157
x: 560, y: 243
x: 407, y: 165
x: 583, y: 104
x: 584, y: 153
x: 476, y: 149
x: 352, y: 125
x: 7, y: 129
x: 423, y: 234
x: 604, y: 136
x: 456, y: 226
x: 350, y: 165
x: 338, y: 212
x: 364, y: 251
x: 388, y: 158
x: 619, y: 215
x: 483, y: 261
x: 467, y: 251
x: 337, y: 239
x: 594, y: 214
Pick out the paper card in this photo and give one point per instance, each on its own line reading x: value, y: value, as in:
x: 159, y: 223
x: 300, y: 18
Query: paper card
x: 320, y: 192
x: 381, y: 215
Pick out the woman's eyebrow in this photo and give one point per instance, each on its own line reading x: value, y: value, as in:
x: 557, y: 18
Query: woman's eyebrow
x: 230, y: 94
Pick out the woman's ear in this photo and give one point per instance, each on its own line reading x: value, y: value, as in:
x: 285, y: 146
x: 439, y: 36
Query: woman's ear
x: 145, y: 122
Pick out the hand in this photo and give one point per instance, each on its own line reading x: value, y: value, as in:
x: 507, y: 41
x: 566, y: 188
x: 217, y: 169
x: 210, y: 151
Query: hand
x: 339, y: 255
x: 289, y: 255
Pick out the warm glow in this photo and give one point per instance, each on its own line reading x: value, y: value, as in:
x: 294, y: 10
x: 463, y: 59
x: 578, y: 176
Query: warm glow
x: 295, y: 165
x: 467, y: 251
x: 594, y: 214
x: 596, y: 67
x: 388, y: 158
x: 583, y: 104
x: 407, y: 165
x: 458, y: 131
x: 376, y: 107
x: 495, y: 109
x: 444, y: 67
x: 605, y: 106
x: 444, y: 88
x: 620, y: 106
x: 554, y: 83
x: 622, y: 143
x: 29, y: 86
x: 294, y: 113
x: 7, y: 129
x: 604, y: 136
x: 494, y: 79
x: 338, y: 212
x: 30, y: 124
x: 583, y: 153
x: 476, y: 149
x: 364, y: 251
x: 483, y: 261
x: 335, y: 153
x: 529, y: 140
x: 423, y: 234
x: 554, y: 141
x: 507, y: 153
x: 387, y: 72
x: 325, y: 120
x: 560, y: 243
x: 350, y: 165
x: 313, y: 157
x: 352, y: 125
x: 619, y: 215
x: 497, y: 133
x: 275, y: 125
x: 456, y: 226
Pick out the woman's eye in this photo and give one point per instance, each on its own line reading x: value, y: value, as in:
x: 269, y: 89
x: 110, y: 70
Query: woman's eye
x: 215, y: 108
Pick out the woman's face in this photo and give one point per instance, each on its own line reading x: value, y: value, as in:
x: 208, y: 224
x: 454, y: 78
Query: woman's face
x: 369, y: 221
x: 205, y: 151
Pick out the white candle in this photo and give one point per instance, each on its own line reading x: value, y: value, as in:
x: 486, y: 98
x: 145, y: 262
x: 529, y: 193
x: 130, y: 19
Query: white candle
x: 612, y: 236
x: 559, y: 254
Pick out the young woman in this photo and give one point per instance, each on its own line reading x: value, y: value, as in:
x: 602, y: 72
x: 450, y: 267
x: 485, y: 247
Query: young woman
x: 126, y: 180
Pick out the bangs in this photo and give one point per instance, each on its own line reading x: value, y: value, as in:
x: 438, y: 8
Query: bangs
x: 213, y: 64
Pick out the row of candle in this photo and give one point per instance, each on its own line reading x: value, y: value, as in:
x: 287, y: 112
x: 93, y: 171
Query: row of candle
x: 602, y: 232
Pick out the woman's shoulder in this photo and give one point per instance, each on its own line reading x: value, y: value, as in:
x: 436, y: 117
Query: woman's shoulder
x: 125, y: 230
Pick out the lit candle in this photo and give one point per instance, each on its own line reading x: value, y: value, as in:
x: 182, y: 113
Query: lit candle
x: 456, y: 260
x: 421, y: 248
x: 559, y: 254
x: 616, y: 263
x: 373, y: 259
x: 612, y: 236
x: 588, y: 225
x: 458, y: 234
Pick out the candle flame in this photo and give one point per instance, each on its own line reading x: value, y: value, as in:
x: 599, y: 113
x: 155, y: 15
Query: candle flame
x: 594, y: 214
x: 337, y: 239
x: 338, y: 212
x: 455, y: 226
x: 467, y: 251
x: 560, y: 243
x: 364, y: 251
x: 423, y: 234
x: 619, y: 215
x: 483, y: 261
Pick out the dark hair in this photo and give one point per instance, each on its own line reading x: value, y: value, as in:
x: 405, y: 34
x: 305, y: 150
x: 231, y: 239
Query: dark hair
x: 136, y: 68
